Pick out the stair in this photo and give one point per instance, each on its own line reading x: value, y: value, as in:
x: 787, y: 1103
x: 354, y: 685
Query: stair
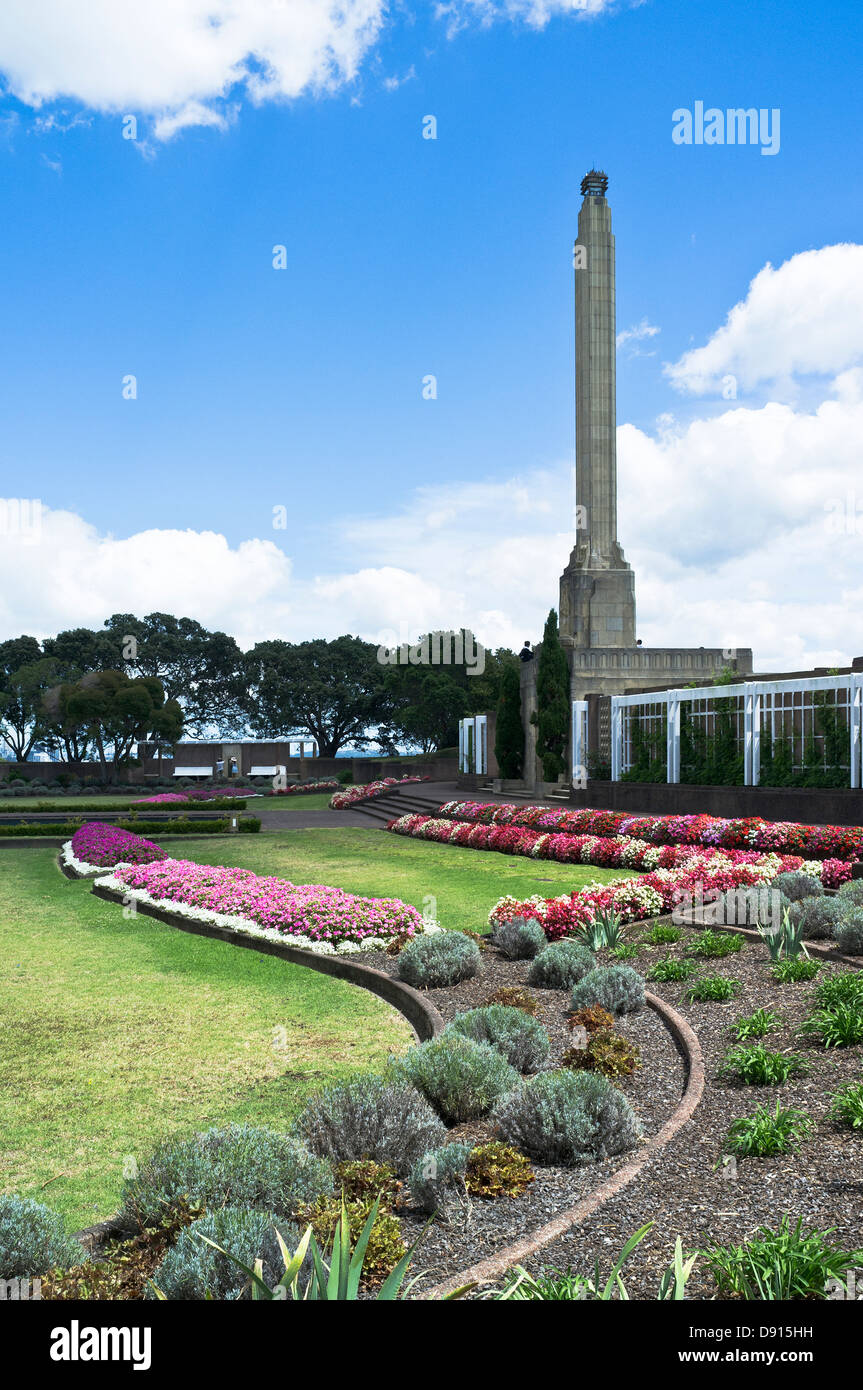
x: 413, y: 800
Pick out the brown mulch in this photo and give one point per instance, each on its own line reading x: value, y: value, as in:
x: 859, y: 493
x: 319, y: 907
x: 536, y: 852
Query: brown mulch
x: 686, y: 1190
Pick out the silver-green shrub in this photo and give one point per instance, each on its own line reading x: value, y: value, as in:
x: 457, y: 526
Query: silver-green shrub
x: 33, y: 1239
x: 852, y: 892
x: 520, y: 938
x: 461, y: 1079
x: 567, y: 1118
x: 618, y: 988
x: 238, y: 1165
x: 192, y: 1270
x: 560, y: 965
x: 796, y: 885
x: 438, y: 1175
x: 848, y: 931
x: 521, y: 1039
x: 818, y: 917
x: 750, y: 907
x: 437, y: 959
x: 383, y: 1118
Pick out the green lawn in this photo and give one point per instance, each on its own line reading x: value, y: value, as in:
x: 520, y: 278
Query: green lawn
x: 465, y: 883
x: 303, y: 801
x: 117, y: 1032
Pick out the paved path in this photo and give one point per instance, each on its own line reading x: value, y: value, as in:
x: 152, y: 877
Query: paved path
x: 426, y: 796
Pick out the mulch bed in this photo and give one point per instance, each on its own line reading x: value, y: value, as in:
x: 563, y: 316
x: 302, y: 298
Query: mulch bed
x: 686, y: 1190
x: 476, y: 1228
x: 685, y: 1193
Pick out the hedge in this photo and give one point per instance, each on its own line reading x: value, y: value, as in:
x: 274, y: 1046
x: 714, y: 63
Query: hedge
x: 248, y: 825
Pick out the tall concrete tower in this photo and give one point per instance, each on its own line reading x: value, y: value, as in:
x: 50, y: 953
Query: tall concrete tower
x: 597, y: 588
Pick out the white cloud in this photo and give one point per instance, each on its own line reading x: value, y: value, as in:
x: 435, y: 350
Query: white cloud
x: 536, y: 13
x: 801, y: 319
x: 637, y: 333
x: 180, y: 59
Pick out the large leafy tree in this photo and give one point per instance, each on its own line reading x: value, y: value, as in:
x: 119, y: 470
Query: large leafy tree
x: 553, y: 704
x: 427, y: 703
x: 333, y: 691
x: 25, y: 674
x: 117, y: 712
x: 202, y: 670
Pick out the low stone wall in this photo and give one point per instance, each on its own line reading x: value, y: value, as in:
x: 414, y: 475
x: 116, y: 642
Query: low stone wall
x: 811, y: 805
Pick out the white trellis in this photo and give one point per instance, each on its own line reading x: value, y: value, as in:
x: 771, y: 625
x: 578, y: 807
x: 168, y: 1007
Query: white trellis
x: 473, y: 745
x: 578, y: 742
x: 786, y: 710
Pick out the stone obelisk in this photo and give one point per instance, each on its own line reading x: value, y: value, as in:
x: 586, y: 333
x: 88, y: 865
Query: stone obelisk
x: 597, y: 588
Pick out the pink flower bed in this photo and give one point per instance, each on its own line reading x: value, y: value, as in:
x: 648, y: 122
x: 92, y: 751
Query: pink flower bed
x: 366, y: 791
x: 105, y: 845
x: 312, y: 910
x: 193, y: 794
x: 843, y: 842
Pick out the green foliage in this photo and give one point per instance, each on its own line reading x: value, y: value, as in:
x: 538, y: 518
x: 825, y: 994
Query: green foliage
x: 382, y: 1118
x: 756, y: 1025
x: 618, y: 988
x: 846, y: 987
x: 714, y: 945
x: 790, y: 972
x: 851, y: 892
x: 176, y: 825
x: 712, y: 987
x: 755, y: 1065
x: 438, y: 1175
x: 824, y: 757
x: 237, y: 1165
x: 671, y: 969
x: 606, y: 1053
x: 661, y: 934
x: 567, y: 1118
x: 521, y: 938
x: 712, y: 759
x: 362, y: 1180
x: 193, y: 1269
x: 788, y: 1263
x: 497, y: 1170
x: 767, y: 1132
x: 838, y: 1025
x: 648, y: 751
x: 514, y: 997
x: 519, y: 1038
x: 552, y: 715
x: 603, y: 931
x: 628, y: 952
x: 509, y: 730
x: 560, y: 965
x: 385, y: 1246
x: 33, y: 1239
x: 460, y: 1079
x: 818, y: 917
x: 557, y: 1287
x: 437, y: 959
x: 847, y: 1105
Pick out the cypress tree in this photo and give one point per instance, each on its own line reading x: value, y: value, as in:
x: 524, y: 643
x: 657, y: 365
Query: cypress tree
x: 553, y: 704
x: 509, y: 732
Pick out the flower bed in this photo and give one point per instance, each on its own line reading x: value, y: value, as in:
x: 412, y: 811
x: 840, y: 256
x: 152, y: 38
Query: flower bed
x: 843, y: 842
x: 98, y: 846
x: 328, y: 784
x: 367, y: 791
x: 312, y: 915
x: 222, y: 800
x: 606, y: 851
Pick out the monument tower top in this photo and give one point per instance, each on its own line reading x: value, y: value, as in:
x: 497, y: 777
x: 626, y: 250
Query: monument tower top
x: 594, y: 184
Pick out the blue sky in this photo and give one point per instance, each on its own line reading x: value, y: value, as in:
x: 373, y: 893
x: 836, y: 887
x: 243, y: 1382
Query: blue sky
x: 302, y: 387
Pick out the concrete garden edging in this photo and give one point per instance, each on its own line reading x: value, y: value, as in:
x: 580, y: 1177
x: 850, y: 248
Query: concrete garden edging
x: 492, y: 1268
x: 422, y: 1015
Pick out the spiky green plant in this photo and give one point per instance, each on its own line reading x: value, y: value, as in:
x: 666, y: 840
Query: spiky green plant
x: 788, y: 1263
x: 755, y: 1065
x: 715, y: 988
x: 756, y: 1025
x: 847, y: 1105
x: 767, y: 1131
x: 792, y: 972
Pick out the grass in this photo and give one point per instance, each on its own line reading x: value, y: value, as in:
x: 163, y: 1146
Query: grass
x: 303, y: 801
x: 457, y: 886
x: 118, y: 1033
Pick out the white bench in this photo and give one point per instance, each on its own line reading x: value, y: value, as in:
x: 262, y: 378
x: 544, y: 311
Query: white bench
x: 194, y: 771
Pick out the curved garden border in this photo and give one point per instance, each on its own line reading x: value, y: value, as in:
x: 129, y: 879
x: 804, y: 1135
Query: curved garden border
x: 486, y: 1271
x: 419, y: 1012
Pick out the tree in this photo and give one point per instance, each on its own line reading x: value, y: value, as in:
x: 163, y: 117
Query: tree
x: 427, y: 704
x: 200, y: 669
x: 509, y: 730
x: 333, y: 691
x: 118, y: 712
x: 24, y: 677
x: 553, y: 703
